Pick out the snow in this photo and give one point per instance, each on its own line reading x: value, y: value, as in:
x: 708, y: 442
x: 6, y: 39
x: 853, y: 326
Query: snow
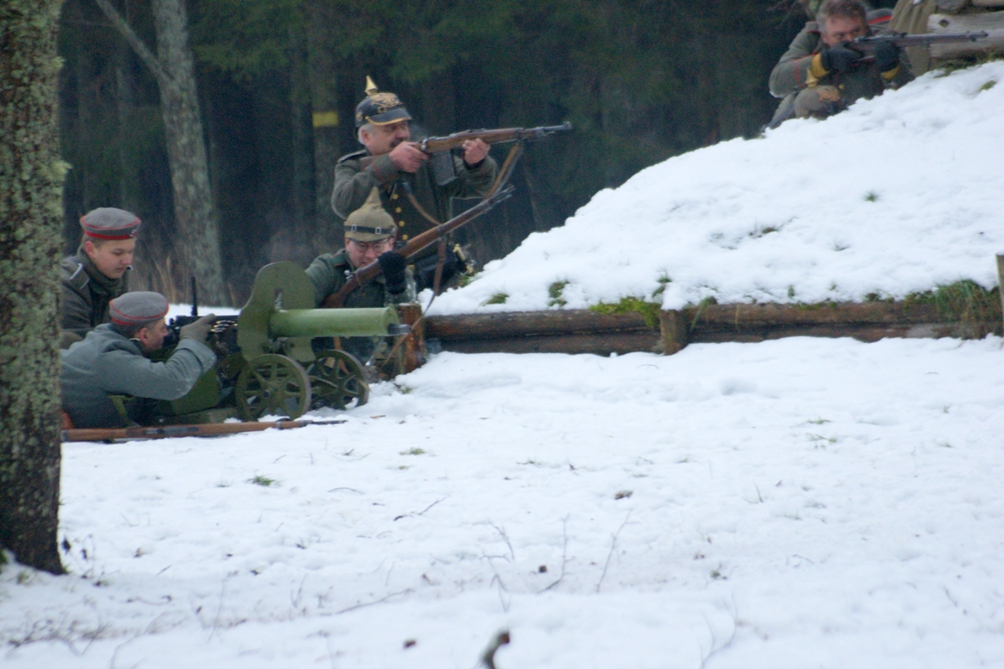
x: 898, y: 194
x: 796, y: 503
x: 793, y: 503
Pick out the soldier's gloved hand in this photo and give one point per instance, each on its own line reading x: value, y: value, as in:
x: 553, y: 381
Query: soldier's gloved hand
x: 392, y: 265
x: 886, y: 56
x: 839, y: 57
x: 199, y: 330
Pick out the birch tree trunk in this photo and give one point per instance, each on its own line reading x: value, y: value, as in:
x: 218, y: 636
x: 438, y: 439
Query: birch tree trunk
x: 31, y: 177
x: 174, y: 69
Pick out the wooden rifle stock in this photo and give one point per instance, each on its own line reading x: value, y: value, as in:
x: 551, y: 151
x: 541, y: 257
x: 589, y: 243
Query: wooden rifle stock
x: 415, y: 245
x: 167, y: 431
x: 496, y: 136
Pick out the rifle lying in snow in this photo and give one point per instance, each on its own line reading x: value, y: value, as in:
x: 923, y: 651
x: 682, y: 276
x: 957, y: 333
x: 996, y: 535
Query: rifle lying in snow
x: 901, y: 40
x: 417, y: 244
x: 166, y: 431
x: 440, y: 147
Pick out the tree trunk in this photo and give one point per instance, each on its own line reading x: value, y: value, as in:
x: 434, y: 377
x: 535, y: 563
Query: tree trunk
x: 186, y: 151
x: 174, y: 69
x: 31, y: 176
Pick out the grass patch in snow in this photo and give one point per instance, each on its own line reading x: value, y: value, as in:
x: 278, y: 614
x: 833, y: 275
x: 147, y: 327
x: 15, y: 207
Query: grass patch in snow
x: 554, y: 292
x: 263, y: 481
x: 648, y: 310
x: 497, y: 298
x: 964, y: 302
x: 413, y: 451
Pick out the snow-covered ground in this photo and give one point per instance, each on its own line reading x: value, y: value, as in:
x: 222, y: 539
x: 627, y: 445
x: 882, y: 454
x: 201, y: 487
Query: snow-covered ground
x: 794, y: 503
x: 898, y: 194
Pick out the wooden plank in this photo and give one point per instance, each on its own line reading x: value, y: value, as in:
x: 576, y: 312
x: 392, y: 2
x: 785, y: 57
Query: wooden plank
x: 582, y: 331
x: 867, y: 332
x: 744, y: 316
x: 523, y: 324
x: 1000, y: 279
x: 673, y: 328
x: 991, y: 22
x: 603, y: 344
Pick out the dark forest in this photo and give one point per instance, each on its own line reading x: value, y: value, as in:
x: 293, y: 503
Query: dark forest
x: 278, y: 81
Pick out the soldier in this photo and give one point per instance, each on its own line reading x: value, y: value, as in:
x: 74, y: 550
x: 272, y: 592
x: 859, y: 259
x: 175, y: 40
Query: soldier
x: 98, y: 273
x: 369, y: 237
x: 401, y: 173
x: 822, y: 73
x: 111, y: 361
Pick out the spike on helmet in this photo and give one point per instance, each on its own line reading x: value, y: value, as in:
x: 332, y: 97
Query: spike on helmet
x: 370, y: 222
x: 380, y: 108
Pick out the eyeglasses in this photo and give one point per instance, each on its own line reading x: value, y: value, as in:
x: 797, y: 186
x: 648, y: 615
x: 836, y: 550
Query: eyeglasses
x: 378, y: 246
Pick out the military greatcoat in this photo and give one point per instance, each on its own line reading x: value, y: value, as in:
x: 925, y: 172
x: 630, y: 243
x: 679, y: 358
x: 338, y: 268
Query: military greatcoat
x: 85, y: 294
x: 106, y: 363
x: 354, y: 184
x: 793, y: 74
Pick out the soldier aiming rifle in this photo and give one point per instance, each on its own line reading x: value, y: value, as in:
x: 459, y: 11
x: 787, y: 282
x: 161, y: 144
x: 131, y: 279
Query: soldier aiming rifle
x: 417, y: 181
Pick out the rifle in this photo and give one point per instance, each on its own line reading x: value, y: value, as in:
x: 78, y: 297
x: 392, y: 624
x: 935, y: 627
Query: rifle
x: 417, y: 244
x: 867, y: 44
x: 166, y: 431
x: 440, y: 147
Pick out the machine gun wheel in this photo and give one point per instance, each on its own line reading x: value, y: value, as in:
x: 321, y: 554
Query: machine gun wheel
x: 337, y: 380
x: 272, y: 384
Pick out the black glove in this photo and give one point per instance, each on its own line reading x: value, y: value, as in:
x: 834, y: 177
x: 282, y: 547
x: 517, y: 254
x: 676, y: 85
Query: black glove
x: 199, y: 330
x: 839, y: 58
x: 392, y: 266
x: 886, y: 56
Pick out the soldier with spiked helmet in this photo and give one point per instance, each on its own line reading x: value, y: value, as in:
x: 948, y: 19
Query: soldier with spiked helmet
x: 400, y: 170
x: 369, y: 237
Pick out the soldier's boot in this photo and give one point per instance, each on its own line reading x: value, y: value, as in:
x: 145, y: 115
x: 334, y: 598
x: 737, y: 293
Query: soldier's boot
x: 819, y: 102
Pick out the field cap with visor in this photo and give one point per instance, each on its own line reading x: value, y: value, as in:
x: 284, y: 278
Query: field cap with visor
x: 380, y: 108
x: 138, y: 308
x: 110, y: 223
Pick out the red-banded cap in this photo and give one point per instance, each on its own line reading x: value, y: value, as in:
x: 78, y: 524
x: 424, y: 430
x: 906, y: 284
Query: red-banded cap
x: 110, y: 223
x: 138, y: 308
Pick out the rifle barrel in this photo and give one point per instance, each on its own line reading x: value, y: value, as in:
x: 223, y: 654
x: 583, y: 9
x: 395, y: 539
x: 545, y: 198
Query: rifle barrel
x: 167, y: 431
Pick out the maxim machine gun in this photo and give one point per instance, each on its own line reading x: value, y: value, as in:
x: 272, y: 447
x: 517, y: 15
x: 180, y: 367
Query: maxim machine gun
x: 266, y: 364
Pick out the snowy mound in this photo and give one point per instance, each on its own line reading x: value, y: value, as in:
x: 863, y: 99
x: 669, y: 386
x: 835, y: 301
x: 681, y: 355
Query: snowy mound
x: 898, y: 194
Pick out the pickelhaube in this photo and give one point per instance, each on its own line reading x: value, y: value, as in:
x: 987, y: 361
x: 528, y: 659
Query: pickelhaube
x: 380, y: 108
x: 370, y: 222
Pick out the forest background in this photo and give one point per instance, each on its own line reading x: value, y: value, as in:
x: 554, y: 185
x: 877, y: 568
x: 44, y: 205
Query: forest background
x: 278, y: 80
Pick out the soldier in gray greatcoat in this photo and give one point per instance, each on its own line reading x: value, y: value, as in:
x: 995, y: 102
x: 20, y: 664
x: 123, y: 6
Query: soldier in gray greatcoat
x: 402, y: 174
x: 98, y: 273
x: 111, y: 360
x: 822, y: 73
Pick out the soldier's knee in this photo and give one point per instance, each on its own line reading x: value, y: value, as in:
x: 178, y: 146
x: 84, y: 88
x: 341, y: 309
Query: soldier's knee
x: 818, y: 102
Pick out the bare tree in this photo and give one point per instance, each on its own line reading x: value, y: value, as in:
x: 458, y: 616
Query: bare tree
x: 31, y: 177
x: 174, y: 69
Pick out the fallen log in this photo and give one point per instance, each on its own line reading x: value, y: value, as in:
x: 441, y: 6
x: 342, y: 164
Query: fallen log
x: 584, y: 331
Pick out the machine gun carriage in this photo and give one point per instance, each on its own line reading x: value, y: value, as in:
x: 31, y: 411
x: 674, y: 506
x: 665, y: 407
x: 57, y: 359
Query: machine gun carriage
x: 266, y: 363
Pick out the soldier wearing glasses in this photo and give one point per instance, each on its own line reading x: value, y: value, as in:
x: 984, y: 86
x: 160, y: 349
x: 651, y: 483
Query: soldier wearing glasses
x: 370, y: 233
